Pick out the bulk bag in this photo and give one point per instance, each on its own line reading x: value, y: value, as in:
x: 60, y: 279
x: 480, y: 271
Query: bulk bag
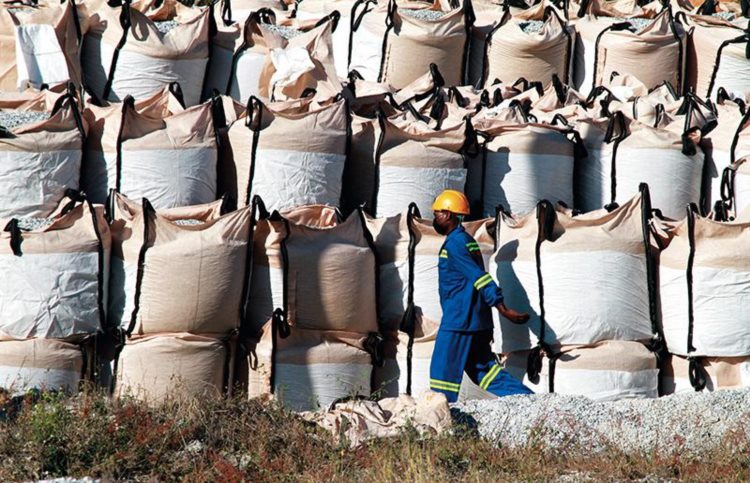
x: 358, y: 178
x: 179, y: 270
x: 713, y: 374
x: 309, y: 369
x: 267, y: 282
x: 368, y: 27
x: 514, y: 268
x: 718, y: 145
x: 41, y: 155
x: 55, y: 273
x: 415, y: 164
x: 320, y: 265
x: 172, y: 161
x: 596, y: 20
x: 166, y: 367
x: 653, y: 54
x: 313, y: 10
x: 607, y: 255
x: 717, y: 56
x: 666, y: 158
x: 705, y: 288
x: 302, y: 64
x: 392, y: 240
x: 405, y: 369
x: 523, y: 164
x: 124, y: 53
x: 592, y: 178
x: 42, y: 364
x: 40, y: 46
x: 291, y: 153
x: 542, y: 257
x: 414, y: 39
x: 99, y: 169
x: 395, y: 43
x: 513, y: 49
x: 606, y: 371
x: 238, y: 54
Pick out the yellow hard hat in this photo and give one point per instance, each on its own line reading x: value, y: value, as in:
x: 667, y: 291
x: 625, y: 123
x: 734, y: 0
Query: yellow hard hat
x: 453, y: 201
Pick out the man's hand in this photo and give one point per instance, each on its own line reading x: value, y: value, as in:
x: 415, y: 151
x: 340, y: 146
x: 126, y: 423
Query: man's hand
x: 512, y: 315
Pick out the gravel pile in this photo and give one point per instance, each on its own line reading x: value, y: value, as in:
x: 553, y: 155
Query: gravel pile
x: 12, y: 119
x: 34, y: 224
x: 532, y: 26
x: 286, y: 32
x: 728, y: 16
x: 637, y: 23
x: 188, y: 222
x: 691, y: 422
x: 423, y: 14
x: 166, y: 26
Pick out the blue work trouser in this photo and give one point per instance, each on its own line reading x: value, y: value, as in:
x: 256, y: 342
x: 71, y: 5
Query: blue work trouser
x: 456, y: 352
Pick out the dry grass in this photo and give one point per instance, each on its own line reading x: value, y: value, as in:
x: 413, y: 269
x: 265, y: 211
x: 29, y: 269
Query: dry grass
x: 212, y: 440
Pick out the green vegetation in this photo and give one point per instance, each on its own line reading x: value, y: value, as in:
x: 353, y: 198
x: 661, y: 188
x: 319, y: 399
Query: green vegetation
x: 218, y: 440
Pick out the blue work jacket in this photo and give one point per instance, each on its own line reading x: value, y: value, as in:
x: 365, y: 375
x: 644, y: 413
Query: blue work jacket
x: 467, y: 292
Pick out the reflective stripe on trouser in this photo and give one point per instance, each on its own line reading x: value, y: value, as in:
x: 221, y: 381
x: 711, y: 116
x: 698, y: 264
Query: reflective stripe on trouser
x: 470, y: 352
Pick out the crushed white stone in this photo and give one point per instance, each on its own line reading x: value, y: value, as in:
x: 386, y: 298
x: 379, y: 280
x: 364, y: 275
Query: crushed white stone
x: 531, y: 26
x: 423, y: 14
x: 34, y: 224
x: 689, y: 423
x: 166, y: 26
x: 283, y: 31
x: 12, y: 119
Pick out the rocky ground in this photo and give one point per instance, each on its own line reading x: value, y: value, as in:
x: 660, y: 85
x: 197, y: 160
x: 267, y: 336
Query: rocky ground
x: 691, y: 423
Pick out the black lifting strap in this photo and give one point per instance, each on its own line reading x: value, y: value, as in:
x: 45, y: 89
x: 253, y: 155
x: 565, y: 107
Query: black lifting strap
x: 697, y: 372
x: 125, y: 23
x: 409, y: 319
x: 15, y: 236
x: 546, y: 216
x: 148, y: 214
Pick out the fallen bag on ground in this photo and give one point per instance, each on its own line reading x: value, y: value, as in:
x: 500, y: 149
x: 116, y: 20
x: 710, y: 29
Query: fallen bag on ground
x: 388, y: 418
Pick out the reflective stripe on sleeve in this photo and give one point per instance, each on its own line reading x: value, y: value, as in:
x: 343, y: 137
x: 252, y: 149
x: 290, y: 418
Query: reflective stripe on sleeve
x: 473, y: 247
x: 483, y: 281
x: 444, y: 385
x: 490, y: 376
x: 444, y: 253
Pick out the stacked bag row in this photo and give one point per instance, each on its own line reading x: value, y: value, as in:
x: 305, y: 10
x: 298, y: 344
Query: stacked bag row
x: 276, y: 51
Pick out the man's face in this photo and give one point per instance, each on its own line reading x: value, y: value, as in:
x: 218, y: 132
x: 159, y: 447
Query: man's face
x: 443, y: 221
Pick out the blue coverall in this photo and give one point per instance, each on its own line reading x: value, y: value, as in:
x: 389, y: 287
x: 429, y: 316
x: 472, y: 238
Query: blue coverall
x: 467, y: 296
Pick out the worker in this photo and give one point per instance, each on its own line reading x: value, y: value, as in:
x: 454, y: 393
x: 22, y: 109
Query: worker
x: 467, y: 295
